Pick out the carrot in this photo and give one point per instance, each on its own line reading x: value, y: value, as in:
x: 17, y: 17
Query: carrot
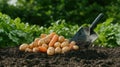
x: 52, y: 34
x: 53, y: 40
x: 42, y: 49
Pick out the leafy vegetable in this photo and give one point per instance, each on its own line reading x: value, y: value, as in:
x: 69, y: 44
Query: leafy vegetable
x: 15, y: 32
x: 108, y: 33
x: 62, y: 28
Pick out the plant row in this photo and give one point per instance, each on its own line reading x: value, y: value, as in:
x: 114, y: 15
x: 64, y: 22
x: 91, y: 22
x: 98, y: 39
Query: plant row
x: 13, y: 32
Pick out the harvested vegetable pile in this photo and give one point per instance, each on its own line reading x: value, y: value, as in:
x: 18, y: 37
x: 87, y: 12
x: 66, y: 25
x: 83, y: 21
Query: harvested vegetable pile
x: 50, y: 44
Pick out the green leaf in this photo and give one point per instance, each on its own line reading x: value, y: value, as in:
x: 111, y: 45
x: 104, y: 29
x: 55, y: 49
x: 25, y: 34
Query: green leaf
x: 13, y: 38
x: 108, y: 33
x: 108, y: 21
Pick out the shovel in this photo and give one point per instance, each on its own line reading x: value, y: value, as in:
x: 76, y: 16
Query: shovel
x: 85, y: 36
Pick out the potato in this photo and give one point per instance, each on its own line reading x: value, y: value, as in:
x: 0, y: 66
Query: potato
x: 64, y: 44
x: 23, y: 47
x: 28, y: 50
x: 75, y: 47
x: 35, y: 49
x: 65, y: 49
x: 66, y: 40
x: 40, y: 42
x: 45, y: 45
x: 57, y: 44
x: 36, y: 39
x: 31, y: 45
x: 61, y: 39
x: 47, y: 40
x: 71, y: 46
x: 35, y: 44
x: 73, y: 42
x: 58, y: 50
x: 50, y: 51
x: 43, y: 35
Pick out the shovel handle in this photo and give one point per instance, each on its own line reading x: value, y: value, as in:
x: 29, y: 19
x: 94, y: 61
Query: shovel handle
x: 95, y: 22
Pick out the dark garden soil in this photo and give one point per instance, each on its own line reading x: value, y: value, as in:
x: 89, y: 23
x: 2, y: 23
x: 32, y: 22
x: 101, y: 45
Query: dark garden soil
x: 91, y: 57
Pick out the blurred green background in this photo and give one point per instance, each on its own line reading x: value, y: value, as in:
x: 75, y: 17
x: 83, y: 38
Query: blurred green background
x: 43, y: 12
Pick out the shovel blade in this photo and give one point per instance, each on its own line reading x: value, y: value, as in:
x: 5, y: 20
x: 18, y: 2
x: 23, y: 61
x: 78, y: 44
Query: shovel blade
x: 83, y: 38
x: 81, y: 35
x: 93, y: 37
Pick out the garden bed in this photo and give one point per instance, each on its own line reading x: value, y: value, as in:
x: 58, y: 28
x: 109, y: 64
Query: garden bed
x: 91, y: 57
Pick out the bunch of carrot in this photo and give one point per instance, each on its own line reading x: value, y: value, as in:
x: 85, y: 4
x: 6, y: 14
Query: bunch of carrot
x: 50, y: 44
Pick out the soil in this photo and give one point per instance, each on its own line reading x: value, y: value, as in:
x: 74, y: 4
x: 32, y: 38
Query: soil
x: 89, y: 57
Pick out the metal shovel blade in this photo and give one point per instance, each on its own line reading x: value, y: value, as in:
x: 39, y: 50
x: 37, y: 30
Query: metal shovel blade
x: 85, y: 35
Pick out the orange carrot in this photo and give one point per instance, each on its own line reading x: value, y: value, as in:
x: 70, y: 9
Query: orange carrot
x: 52, y: 34
x: 53, y: 40
x: 42, y: 49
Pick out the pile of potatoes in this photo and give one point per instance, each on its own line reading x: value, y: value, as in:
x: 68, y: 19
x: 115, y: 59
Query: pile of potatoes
x: 50, y: 44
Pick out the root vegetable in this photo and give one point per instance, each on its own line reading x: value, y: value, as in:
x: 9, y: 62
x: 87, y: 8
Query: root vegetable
x: 65, y: 49
x: 57, y: 44
x: 28, y: 50
x: 61, y: 39
x: 53, y: 40
x: 23, y: 47
x: 73, y: 42
x: 51, y: 51
x: 36, y: 41
x: 35, y: 49
x: 35, y: 44
x: 45, y: 45
x: 66, y: 40
x: 41, y: 41
x: 58, y: 50
x: 47, y: 40
x: 71, y: 46
x: 75, y: 47
x: 42, y: 49
x: 52, y: 34
x: 31, y: 45
x: 64, y: 44
x: 43, y: 35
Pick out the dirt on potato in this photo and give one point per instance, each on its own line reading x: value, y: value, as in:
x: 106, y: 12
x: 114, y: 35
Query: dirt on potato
x: 89, y: 57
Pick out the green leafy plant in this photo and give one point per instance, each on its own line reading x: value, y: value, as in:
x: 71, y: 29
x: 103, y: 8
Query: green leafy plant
x: 109, y: 33
x: 62, y: 28
x: 14, y: 32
